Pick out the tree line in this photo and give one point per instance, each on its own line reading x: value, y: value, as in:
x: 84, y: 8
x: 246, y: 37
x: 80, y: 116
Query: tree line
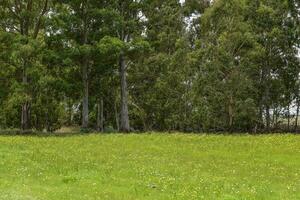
x: 125, y: 65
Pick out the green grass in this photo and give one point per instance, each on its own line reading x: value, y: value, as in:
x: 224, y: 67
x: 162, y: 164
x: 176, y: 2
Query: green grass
x: 150, y: 167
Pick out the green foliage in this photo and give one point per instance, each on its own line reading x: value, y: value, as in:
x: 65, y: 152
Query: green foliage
x: 111, y: 46
x: 226, y: 65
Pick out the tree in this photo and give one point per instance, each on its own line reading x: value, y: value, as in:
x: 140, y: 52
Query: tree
x: 24, y: 18
x: 126, y: 28
x: 157, y: 79
x: 226, y: 65
x: 274, y: 25
x: 80, y: 23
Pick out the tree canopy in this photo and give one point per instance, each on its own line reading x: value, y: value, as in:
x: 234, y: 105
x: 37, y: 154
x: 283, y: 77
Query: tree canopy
x: 223, y: 65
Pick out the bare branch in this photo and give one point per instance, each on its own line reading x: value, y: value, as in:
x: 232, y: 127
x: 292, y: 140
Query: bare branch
x: 39, y: 21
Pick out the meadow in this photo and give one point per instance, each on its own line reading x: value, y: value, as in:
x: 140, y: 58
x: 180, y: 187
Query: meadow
x: 150, y: 167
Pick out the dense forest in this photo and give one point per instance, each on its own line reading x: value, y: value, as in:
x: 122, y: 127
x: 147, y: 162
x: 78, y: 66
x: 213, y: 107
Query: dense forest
x: 142, y: 65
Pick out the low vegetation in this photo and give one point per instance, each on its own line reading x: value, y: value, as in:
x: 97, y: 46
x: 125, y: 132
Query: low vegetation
x: 149, y: 166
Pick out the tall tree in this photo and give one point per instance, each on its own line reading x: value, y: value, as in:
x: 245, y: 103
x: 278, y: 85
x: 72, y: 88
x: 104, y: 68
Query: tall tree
x: 274, y: 25
x: 24, y: 18
x: 80, y: 22
x: 126, y: 29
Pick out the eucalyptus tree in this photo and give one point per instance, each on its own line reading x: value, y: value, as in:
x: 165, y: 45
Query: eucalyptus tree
x: 247, y: 61
x: 126, y: 36
x: 130, y: 27
x: 25, y: 19
x: 82, y: 25
x: 224, y: 92
x: 275, y: 25
x: 197, y: 65
x: 166, y: 76
x: 6, y: 71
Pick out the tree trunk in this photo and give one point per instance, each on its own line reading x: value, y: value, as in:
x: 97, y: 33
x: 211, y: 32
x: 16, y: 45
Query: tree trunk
x: 260, y: 121
x: 85, y: 78
x: 289, y: 117
x: 124, y: 117
x: 25, y: 31
x: 274, y: 118
x: 100, y: 117
x: 267, y: 101
x: 277, y: 117
x: 268, y: 118
x: 297, y: 115
x: 25, y: 106
x: 85, y: 101
x: 117, y: 117
x: 70, y: 116
x: 230, y: 113
x: 266, y: 75
x: 48, y: 128
x: 25, y: 120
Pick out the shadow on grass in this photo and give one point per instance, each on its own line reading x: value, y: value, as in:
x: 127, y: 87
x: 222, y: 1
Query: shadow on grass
x: 32, y: 133
x: 10, y: 133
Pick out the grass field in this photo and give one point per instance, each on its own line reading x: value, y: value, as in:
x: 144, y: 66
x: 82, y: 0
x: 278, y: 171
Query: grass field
x: 151, y: 167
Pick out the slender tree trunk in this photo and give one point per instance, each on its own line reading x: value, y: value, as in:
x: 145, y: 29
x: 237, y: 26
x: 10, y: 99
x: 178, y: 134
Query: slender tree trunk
x: 274, y: 118
x: 289, y: 118
x: 48, y: 128
x: 117, y: 117
x: 70, y: 118
x: 100, y: 117
x: 267, y: 101
x: 25, y: 106
x: 297, y: 115
x: 266, y: 80
x: 230, y: 113
x: 268, y: 118
x: 124, y: 117
x: 24, y: 120
x: 85, y: 79
x: 25, y: 31
x: 260, y: 122
x: 85, y: 100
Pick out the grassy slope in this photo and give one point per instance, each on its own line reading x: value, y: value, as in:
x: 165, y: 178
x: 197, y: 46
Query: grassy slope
x: 150, y: 167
